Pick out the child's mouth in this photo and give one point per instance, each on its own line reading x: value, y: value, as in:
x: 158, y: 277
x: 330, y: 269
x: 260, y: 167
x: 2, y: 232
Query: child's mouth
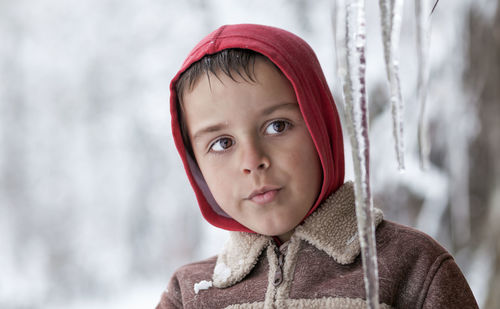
x: 264, y: 196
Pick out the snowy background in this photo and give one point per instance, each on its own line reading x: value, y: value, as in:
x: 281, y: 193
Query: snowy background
x: 95, y: 208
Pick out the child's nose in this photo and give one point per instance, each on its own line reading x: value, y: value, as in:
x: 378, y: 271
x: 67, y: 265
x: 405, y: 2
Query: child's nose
x: 254, y: 158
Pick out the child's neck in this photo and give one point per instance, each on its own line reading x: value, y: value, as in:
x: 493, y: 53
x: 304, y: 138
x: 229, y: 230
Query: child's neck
x: 281, y: 239
x: 277, y: 241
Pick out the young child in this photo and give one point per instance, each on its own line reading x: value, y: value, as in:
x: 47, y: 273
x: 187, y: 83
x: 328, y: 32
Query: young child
x: 257, y: 129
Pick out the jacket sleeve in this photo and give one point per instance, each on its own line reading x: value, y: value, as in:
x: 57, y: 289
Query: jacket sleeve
x: 171, y: 298
x: 446, y: 286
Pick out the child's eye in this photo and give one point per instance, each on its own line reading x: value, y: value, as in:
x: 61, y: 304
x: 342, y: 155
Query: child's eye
x: 221, y: 144
x: 277, y: 127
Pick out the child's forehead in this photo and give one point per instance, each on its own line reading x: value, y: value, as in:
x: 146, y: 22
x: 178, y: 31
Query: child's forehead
x: 266, y: 81
x: 220, y: 97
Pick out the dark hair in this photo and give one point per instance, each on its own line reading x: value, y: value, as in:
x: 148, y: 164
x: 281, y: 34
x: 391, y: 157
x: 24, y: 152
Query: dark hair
x: 229, y: 62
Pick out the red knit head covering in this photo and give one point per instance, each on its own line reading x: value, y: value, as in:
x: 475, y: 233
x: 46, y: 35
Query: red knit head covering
x: 295, y: 58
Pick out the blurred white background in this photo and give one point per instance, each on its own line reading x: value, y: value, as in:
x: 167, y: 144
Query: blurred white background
x: 95, y: 207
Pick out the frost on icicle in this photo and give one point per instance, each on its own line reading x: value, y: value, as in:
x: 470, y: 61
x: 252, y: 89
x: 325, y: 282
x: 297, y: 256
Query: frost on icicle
x: 391, y: 16
x: 422, y: 30
x: 354, y: 85
x: 202, y: 285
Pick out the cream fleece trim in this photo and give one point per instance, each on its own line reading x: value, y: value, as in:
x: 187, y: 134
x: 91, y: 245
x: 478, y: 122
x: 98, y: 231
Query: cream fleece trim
x: 318, y: 303
x: 330, y: 302
x: 256, y: 305
x: 291, y: 255
x: 333, y: 227
x: 238, y: 258
x: 271, y: 289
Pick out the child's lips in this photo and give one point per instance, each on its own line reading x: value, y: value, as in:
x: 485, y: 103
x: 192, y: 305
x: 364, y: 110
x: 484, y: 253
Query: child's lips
x: 264, y: 195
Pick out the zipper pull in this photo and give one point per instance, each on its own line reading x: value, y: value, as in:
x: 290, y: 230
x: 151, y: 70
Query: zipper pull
x: 278, y: 276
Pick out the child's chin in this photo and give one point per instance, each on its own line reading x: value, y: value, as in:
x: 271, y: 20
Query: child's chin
x: 274, y: 232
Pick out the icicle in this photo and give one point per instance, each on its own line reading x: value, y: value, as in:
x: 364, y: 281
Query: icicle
x: 391, y: 12
x: 396, y: 97
x: 338, y: 24
x: 385, y: 20
x: 421, y: 9
x: 357, y: 125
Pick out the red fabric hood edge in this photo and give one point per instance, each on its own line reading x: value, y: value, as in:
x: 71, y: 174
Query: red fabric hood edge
x: 299, y: 64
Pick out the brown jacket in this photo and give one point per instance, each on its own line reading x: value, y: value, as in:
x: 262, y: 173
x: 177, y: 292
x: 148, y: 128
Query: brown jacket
x: 320, y: 267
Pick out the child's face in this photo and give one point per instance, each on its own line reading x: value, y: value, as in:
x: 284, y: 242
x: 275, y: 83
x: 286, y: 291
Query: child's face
x: 254, y: 149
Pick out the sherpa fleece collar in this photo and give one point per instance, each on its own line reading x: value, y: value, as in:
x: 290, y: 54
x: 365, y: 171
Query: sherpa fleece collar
x: 332, y: 229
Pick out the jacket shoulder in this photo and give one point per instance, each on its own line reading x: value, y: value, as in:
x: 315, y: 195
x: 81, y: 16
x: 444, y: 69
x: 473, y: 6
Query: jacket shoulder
x: 408, y: 240
x: 199, y: 267
x: 182, y: 284
x: 418, y: 270
x: 407, y: 255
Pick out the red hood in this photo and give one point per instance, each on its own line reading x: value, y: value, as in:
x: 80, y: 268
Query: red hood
x: 299, y: 64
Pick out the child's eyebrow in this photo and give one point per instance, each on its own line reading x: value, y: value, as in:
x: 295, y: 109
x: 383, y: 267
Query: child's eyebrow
x: 266, y: 111
x: 209, y: 129
x: 286, y: 105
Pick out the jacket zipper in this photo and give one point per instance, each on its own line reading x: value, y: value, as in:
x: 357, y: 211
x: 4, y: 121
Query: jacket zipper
x: 278, y: 276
